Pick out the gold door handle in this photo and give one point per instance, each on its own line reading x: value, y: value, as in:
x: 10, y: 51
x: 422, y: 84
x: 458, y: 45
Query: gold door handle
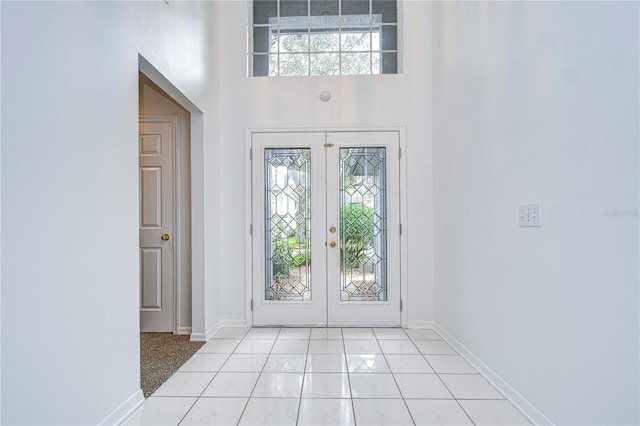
x: 332, y: 244
x: 165, y: 237
x: 332, y: 229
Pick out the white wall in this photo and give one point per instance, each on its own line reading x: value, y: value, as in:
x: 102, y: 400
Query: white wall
x: 70, y: 351
x: 0, y: 219
x: 287, y: 102
x: 538, y: 101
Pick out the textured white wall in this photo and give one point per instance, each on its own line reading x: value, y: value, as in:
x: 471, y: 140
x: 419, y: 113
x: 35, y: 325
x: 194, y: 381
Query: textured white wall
x: 292, y: 102
x: 70, y: 351
x: 538, y: 101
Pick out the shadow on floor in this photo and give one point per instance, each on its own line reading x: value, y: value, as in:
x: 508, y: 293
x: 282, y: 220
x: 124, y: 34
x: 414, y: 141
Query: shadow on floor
x: 161, y: 354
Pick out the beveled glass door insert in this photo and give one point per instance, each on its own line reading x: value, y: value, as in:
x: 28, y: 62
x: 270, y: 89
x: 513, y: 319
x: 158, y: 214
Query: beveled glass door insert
x: 363, y: 224
x: 325, y: 220
x: 288, y: 223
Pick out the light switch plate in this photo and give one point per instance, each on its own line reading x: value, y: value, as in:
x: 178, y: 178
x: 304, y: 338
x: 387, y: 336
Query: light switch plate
x: 529, y: 214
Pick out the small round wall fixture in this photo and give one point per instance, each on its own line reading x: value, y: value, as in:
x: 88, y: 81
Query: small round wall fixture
x: 325, y: 95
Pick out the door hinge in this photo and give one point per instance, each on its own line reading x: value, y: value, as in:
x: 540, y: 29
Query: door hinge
x: 251, y: 229
x: 400, y: 229
x: 400, y: 305
x: 250, y: 154
x: 399, y: 152
x: 252, y: 304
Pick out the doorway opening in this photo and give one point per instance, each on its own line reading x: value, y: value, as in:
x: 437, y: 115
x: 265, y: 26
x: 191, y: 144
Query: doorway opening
x: 165, y: 211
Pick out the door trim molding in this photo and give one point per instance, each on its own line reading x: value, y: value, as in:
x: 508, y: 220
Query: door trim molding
x: 401, y: 129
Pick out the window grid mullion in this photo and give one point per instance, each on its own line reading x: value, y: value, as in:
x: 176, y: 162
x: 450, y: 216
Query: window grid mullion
x: 340, y: 26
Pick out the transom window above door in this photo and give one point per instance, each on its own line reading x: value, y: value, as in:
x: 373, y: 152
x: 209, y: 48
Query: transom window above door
x: 324, y: 37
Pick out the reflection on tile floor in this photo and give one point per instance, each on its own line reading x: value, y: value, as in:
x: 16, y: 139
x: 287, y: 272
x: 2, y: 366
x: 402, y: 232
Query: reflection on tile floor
x: 326, y: 376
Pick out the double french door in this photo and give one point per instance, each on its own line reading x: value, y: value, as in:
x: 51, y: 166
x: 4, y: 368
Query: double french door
x: 326, y: 228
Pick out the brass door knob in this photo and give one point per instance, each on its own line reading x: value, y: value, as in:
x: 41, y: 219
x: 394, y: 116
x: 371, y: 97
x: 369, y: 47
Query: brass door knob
x: 165, y: 237
x: 332, y: 244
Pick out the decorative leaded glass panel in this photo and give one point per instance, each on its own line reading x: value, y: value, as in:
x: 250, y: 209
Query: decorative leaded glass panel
x: 288, y: 224
x: 363, y: 224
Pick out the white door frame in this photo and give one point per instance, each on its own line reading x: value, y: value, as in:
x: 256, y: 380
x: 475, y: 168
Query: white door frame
x: 198, y: 308
x: 403, y: 208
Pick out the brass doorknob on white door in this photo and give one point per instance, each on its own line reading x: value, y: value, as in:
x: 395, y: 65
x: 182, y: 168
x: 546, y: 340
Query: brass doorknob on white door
x: 332, y: 229
x: 165, y: 237
x: 332, y: 244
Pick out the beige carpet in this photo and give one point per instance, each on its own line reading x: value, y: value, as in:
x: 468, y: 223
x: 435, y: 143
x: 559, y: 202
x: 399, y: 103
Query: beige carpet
x: 161, y: 354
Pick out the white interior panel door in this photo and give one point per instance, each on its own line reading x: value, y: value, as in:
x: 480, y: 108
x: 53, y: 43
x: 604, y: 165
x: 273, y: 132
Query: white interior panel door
x: 326, y: 229
x: 156, y: 145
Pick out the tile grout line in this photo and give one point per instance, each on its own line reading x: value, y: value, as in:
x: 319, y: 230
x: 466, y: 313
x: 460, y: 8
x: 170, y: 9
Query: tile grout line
x: 384, y: 355
x: 304, y: 376
x: 210, y: 381
x: 346, y: 363
x: 259, y: 373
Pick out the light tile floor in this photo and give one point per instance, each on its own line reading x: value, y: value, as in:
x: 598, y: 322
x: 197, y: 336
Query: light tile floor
x: 326, y: 376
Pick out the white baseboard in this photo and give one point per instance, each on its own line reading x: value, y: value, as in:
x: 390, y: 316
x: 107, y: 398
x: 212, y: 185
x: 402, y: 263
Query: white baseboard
x: 184, y: 330
x: 420, y: 324
x: 528, y: 409
x: 206, y: 336
x: 125, y: 409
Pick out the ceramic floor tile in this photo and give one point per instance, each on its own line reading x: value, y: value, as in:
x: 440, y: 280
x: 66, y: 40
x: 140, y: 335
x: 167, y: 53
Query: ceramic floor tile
x: 326, y: 333
x: 270, y: 411
x: 160, y: 411
x: 204, y: 362
x: 408, y: 364
x: 364, y: 385
x: 278, y: 385
x: 422, y: 334
x: 422, y: 386
x: 367, y: 363
x: 358, y: 333
x: 326, y: 363
x: 231, y: 385
x: 294, y: 333
x: 245, y: 362
x: 184, y: 384
x: 470, y: 386
x: 326, y: 347
x: 231, y: 333
x: 326, y: 385
x: 290, y: 347
x: 435, y: 347
x: 285, y: 363
x: 428, y: 412
x: 401, y: 347
x: 263, y: 333
x: 390, y: 333
x: 450, y: 364
x: 219, y: 346
x: 325, y: 412
x: 362, y: 347
x: 381, y: 412
x: 215, y: 411
x: 255, y: 346
x: 493, y: 413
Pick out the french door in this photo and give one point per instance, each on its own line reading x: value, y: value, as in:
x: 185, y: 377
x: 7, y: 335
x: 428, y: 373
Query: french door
x: 326, y: 230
